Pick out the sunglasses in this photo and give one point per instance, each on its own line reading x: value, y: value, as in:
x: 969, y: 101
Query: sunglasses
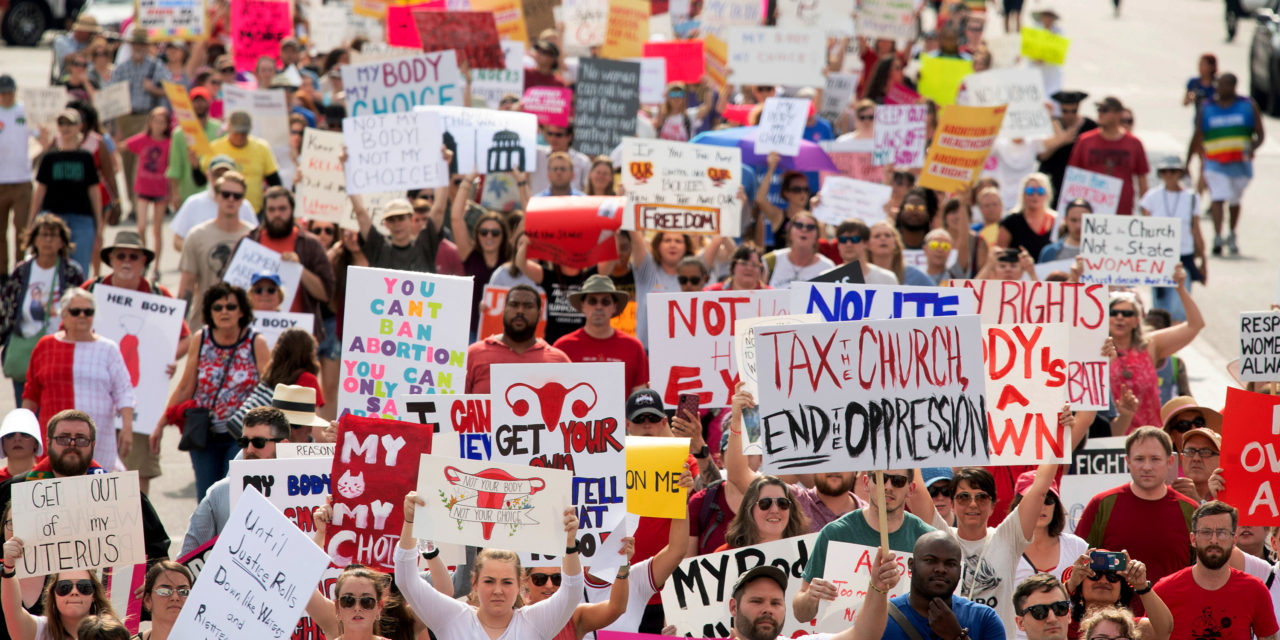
x: 489, y: 232
x: 77, y: 441
x: 231, y: 195
x: 976, y: 498
x: 76, y: 312
x: 295, y: 132
x: 936, y: 490
x: 1183, y: 426
x: 540, y: 579
x: 79, y: 65
x: 594, y: 301
x: 1109, y: 576
x: 805, y: 226
x: 898, y: 481
x: 683, y: 280
x: 348, y: 601
x: 797, y: 189
x: 675, y: 94
x: 939, y: 245
x: 165, y: 592
x: 227, y: 70
x: 329, y: 231
x: 257, y: 442
x: 912, y: 208
x: 265, y: 291
x: 1035, y: 191
x: 1123, y: 313
x: 127, y: 257
x: 866, y: 118
x: 647, y: 418
x: 65, y: 587
x: 1041, y: 611
x: 764, y: 504
x: 219, y: 308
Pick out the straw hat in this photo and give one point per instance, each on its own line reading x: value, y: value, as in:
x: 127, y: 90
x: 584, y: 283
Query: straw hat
x: 298, y: 404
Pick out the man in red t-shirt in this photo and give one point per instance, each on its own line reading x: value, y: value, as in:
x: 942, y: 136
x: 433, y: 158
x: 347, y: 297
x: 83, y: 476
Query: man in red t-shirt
x: 1210, y: 599
x: 516, y: 344
x: 1111, y: 150
x: 598, y: 341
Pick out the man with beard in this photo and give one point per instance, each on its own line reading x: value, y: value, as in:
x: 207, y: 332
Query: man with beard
x: 758, y: 605
x: 517, y: 342
x: 182, y: 183
x: 281, y: 233
x: 915, y: 217
x: 264, y: 427
x: 598, y: 341
x: 207, y: 250
x: 1210, y: 599
x: 931, y: 608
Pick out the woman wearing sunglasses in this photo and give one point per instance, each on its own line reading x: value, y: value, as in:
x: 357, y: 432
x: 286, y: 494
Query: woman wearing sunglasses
x: 1095, y: 591
x: 800, y: 259
x: 769, y: 512
x: 164, y: 592
x: 1031, y: 226
x: 794, y: 192
x: 68, y: 598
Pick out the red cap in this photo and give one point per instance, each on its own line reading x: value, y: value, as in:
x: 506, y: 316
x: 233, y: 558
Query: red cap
x: 201, y: 92
x: 1028, y: 478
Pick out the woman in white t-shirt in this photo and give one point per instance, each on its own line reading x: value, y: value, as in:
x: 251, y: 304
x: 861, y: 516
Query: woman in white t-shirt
x: 800, y: 260
x: 69, y: 597
x: 1052, y: 550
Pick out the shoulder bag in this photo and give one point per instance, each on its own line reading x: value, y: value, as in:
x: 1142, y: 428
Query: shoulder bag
x: 198, y: 421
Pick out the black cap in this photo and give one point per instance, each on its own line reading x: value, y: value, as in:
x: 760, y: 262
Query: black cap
x: 644, y: 401
x: 1069, y: 97
x: 764, y: 571
x: 1109, y: 103
x: 1082, y: 203
x: 7, y: 85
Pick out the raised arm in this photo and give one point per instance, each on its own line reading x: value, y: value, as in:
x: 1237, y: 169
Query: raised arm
x: 19, y: 623
x: 1158, y: 614
x: 740, y: 473
x: 458, y: 214
x: 1033, y: 499
x: 873, y: 617
x: 431, y: 606
x: 771, y: 212
x: 1166, y: 342
x: 530, y: 268
x: 598, y: 615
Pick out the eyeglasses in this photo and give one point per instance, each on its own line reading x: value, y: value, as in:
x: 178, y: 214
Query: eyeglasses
x: 850, y: 239
x: 683, y: 280
x: 257, y: 442
x: 329, y: 231
x: 348, y: 601
x: 797, y: 189
x: 73, y: 441
x: 1123, y: 313
x: 265, y: 291
x: 76, y: 312
x: 939, y: 245
x: 126, y: 257
x: 1109, y: 576
x: 64, y: 587
x: 496, y: 233
x: 219, y: 308
x: 1183, y: 426
x: 165, y: 592
x: 1041, y: 611
x: 784, y: 504
x: 1035, y: 191
x: 936, y: 490
x: 805, y: 226
x: 540, y: 579
x: 980, y: 497
x: 1216, y: 533
x: 898, y: 481
x: 231, y: 195
x: 1191, y: 452
x: 866, y: 117
x: 647, y: 418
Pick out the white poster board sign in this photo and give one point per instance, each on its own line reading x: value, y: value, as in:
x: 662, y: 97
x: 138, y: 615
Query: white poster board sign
x: 677, y: 186
x: 296, y: 486
x: 394, y: 152
x: 147, y: 327
x: 653, y: 79
x: 1259, y: 346
x: 844, y: 302
x: 782, y: 126
x: 777, y: 56
x: 1130, y: 250
x: 1022, y: 89
x: 42, y: 105
x: 838, y: 94
x: 833, y: 17
x: 744, y: 345
x: 889, y: 19
x: 402, y: 83
x: 269, y: 110
x: 1100, y: 190
x: 81, y: 522
x: 844, y: 198
x: 305, y: 449
x: 273, y: 323
x: 850, y: 567
x: 251, y: 258
x: 900, y: 135
x: 493, y: 84
x: 112, y: 101
x: 488, y: 140
x: 1026, y: 376
x: 320, y: 186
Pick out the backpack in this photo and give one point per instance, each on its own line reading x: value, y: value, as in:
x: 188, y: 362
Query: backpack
x: 710, y: 508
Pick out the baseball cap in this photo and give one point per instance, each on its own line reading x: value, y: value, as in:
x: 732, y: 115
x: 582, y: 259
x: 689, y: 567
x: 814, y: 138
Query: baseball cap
x: 1028, y: 478
x: 70, y: 115
x: 764, y: 571
x: 201, y: 92
x: 239, y: 122
x: 1110, y: 103
x: 645, y: 401
x: 221, y: 160
x: 264, y: 275
x: 7, y: 84
x: 936, y: 474
x: 1170, y: 163
x: 1205, y: 432
x: 397, y: 207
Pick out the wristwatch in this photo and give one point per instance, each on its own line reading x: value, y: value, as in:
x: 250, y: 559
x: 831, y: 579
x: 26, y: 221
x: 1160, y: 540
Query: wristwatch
x: 703, y: 453
x: 1145, y: 590
x: 624, y: 572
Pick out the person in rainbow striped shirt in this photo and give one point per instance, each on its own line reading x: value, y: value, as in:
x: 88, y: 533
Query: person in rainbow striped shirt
x: 1228, y: 132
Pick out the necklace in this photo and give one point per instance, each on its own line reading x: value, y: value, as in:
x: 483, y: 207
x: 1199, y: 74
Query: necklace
x: 1171, y: 210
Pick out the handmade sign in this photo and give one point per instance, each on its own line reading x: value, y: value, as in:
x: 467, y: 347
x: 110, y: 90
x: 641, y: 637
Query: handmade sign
x: 538, y: 16
x: 654, y: 467
x: 832, y: 17
x: 586, y: 24
x: 853, y: 159
x: 186, y: 117
x: 466, y: 415
x: 888, y: 19
x: 1044, y: 45
x: 494, y: 84
x: 43, y: 104
x: 844, y: 198
x: 569, y: 416
x: 484, y: 503
x: 847, y: 273
x: 273, y: 323
x: 1098, y: 189
x: 79, y: 522
x: 574, y: 231
x: 653, y: 79
x: 321, y: 184
x: 777, y: 56
x: 112, y: 101
x: 1130, y: 250
x: 941, y: 77
x: 840, y: 302
x: 258, y: 578
x: 1023, y: 90
x: 401, y: 30
x: 508, y: 18
x: 257, y: 28
x: 782, y: 125
x: 1098, y: 465
x: 715, y: 58
x: 487, y: 140
x: 1250, y: 428
x: 719, y: 16
x: 627, y: 29
x: 296, y: 486
x: 552, y: 105
x: 328, y: 27
x: 677, y: 186
x: 251, y: 258
x: 1081, y: 306
x: 960, y: 146
x: 899, y: 93
x: 473, y: 35
x: 843, y: 396
x: 1259, y: 346
x: 1026, y: 389
x: 744, y: 344
x: 491, y: 305
x: 397, y: 86
x: 170, y: 19
x: 147, y: 328
x: 837, y: 95
x: 305, y: 450
x: 605, y: 102
x: 691, y: 337
x: 851, y: 568
x: 684, y: 58
x: 269, y: 110
x: 900, y: 135
x: 394, y: 152
x: 404, y: 333
x: 696, y: 597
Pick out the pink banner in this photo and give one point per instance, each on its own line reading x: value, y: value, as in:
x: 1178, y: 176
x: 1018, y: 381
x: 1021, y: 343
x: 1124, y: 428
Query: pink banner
x: 553, y: 105
x: 684, y: 59
x: 257, y: 27
x: 402, y: 31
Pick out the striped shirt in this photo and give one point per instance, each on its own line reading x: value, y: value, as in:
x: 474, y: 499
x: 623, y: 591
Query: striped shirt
x: 1227, y: 131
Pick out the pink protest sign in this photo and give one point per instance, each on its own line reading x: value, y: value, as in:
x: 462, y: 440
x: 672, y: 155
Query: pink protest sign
x: 402, y: 31
x: 901, y: 94
x: 553, y: 105
x: 257, y: 27
x: 684, y: 59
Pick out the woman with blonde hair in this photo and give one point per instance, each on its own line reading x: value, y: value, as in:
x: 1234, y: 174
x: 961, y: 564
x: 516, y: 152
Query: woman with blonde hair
x: 674, y: 121
x: 1031, y: 225
x: 769, y: 512
x: 886, y: 250
x: 1110, y: 623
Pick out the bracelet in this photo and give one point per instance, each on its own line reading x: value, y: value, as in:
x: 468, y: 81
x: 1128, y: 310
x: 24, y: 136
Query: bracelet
x: 573, y: 549
x: 878, y: 589
x: 736, y: 433
x: 522, y: 183
x: 431, y: 555
x: 8, y: 571
x: 1145, y: 590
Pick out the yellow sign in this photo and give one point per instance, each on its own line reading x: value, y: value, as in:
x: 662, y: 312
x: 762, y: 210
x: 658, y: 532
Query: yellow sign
x: 654, y: 466
x: 186, y: 116
x: 626, y: 321
x: 716, y: 55
x: 940, y: 78
x: 1044, y: 45
x: 508, y: 15
x: 960, y: 146
x: 628, y: 29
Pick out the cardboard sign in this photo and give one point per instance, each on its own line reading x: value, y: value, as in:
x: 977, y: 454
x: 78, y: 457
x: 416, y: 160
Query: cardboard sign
x: 653, y: 79
x: 112, y: 101
x: 552, y: 105
x: 833, y: 397
x: 472, y: 34
x: 960, y: 146
x: 1100, y: 190
x: 691, y: 337
x: 900, y: 135
x: 258, y: 578
x: 782, y: 125
x: 1026, y: 388
x: 401, y: 29
x: 1023, y: 90
x: 42, y: 105
x: 696, y: 597
x: 900, y: 94
x: 844, y: 198
x: 296, y: 486
x: 941, y: 77
x: 328, y: 27
x: 888, y: 19
x: 286, y: 450
x: 574, y: 231
x: 508, y: 18
x: 677, y: 186
x: 715, y: 58
x: 269, y: 109
x: 569, y: 416
x: 777, y: 56
x: 719, y: 16
x: 80, y: 522
x: 491, y: 305
x: 397, y: 86
x: 186, y: 117
x: 586, y: 24
x: 654, y: 467
x: 464, y: 415
x: 147, y: 327
x: 251, y: 258
x: 403, y: 333
x: 538, y: 16
x: 627, y: 29
x: 684, y: 59
x: 852, y: 567
x: 744, y: 344
x: 1259, y: 346
x: 171, y: 19
x: 1043, y: 45
x: 832, y: 17
x: 484, y: 503
x: 321, y: 184
x: 494, y: 84
x: 605, y: 102
x: 487, y: 140
x: 1251, y: 422
x: 1081, y: 306
x: 257, y: 28
x: 838, y: 94
x: 273, y: 323
x: 1130, y: 250
x: 840, y: 302
x: 394, y: 152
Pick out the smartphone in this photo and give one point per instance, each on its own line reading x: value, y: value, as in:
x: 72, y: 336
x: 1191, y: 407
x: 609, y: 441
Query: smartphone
x: 1174, y: 467
x: 1107, y: 561
x: 688, y: 406
x: 1008, y: 255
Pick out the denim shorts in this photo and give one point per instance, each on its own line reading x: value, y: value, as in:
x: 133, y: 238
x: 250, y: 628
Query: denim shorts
x: 330, y: 348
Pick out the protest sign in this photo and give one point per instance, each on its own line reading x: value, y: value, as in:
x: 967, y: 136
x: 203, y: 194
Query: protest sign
x: 677, y: 186
x: 744, y: 344
x: 715, y: 58
x: 1023, y: 90
x: 833, y: 397
x: 397, y: 86
x: 473, y: 35
x: 718, y: 16
x: 853, y: 159
x: 394, y: 152
x: 654, y: 467
x: 900, y: 135
x: 186, y: 116
x: 273, y: 323
x: 843, y: 198
x: 696, y: 597
x: 1044, y: 45
x: 940, y: 77
x: 574, y: 231
x: 78, y: 522
x: 840, y: 302
x: 1250, y: 438
x: 1259, y: 346
x: 538, y: 16
x: 404, y: 333
x: 848, y: 273
x: 960, y: 146
x: 112, y: 101
x: 487, y: 140
x: 493, y: 84
x: 484, y: 503
x: 838, y: 94
x: 569, y: 416
x: 491, y: 305
x: 258, y: 578
x: 605, y: 102
x: 305, y: 450
x: 296, y: 486
x: 777, y: 56
x: 653, y: 79
x: 900, y: 94
x: 257, y: 28
x: 684, y: 59
x: 1130, y: 250
x: 1026, y: 388
x: 251, y: 258
x: 832, y: 17
x: 269, y: 110
x: 328, y: 27
x: 508, y: 18
x: 170, y: 19
x: 43, y: 104
x: 195, y: 559
x: 147, y: 328
x: 401, y: 30
x: 586, y: 24
x: 782, y: 125
x: 320, y: 186
x: 1098, y: 189
x: 691, y: 339
x: 888, y: 19
x: 466, y: 415
x: 627, y: 29
x: 851, y: 567
x: 1081, y: 306
x: 1097, y: 465
x: 552, y: 105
